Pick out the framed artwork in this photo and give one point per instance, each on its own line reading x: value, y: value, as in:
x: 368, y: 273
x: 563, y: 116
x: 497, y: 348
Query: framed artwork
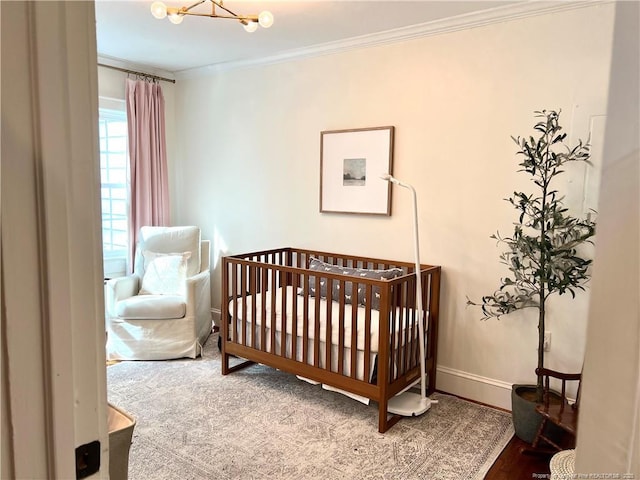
x: 351, y: 163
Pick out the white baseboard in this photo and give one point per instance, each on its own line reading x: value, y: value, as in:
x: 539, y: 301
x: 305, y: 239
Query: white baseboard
x: 474, y: 387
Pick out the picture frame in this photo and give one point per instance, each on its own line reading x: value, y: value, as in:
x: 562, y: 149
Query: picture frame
x: 351, y: 164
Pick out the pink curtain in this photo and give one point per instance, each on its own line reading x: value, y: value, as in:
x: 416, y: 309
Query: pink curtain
x: 147, y: 158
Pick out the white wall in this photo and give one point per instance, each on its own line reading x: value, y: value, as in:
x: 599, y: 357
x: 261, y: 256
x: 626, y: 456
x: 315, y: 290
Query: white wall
x: 248, y: 157
x: 609, y: 434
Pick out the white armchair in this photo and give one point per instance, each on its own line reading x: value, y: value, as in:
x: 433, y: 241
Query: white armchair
x: 163, y: 310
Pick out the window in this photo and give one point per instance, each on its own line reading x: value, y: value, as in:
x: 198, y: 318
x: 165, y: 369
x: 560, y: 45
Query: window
x: 114, y: 175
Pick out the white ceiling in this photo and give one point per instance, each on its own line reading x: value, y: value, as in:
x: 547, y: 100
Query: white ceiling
x: 127, y: 32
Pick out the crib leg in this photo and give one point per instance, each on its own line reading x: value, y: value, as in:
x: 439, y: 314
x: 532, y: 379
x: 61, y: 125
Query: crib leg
x: 385, y: 422
x: 227, y: 369
x: 225, y: 363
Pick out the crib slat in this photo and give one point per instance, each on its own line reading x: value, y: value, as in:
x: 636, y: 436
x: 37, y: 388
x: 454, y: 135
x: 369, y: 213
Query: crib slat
x: 341, y: 327
x: 408, y: 331
x: 404, y: 337
x: 243, y: 293
x: 252, y: 291
x: 423, y: 319
x: 316, y: 325
x: 367, y: 333
x: 434, y: 311
x: 396, y: 319
x: 283, y: 323
x: 294, y: 314
x: 393, y: 343
x: 328, y: 329
x: 354, y: 331
x: 305, y: 319
x: 416, y: 320
x: 263, y: 311
x: 272, y: 318
x: 234, y: 295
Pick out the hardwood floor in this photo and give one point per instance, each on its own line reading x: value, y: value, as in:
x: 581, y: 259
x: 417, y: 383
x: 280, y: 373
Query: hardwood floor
x: 513, y: 465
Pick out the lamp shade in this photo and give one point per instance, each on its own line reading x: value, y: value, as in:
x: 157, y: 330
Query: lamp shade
x: 265, y: 19
x: 176, y: 18
x: 158, y: 10
x: 251, y: 26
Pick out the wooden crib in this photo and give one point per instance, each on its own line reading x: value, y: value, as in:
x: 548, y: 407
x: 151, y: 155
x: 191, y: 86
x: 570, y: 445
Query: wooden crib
x: 302, y: 311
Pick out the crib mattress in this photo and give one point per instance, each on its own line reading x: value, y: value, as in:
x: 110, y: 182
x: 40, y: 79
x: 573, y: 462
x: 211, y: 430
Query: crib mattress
x: 263, y: 313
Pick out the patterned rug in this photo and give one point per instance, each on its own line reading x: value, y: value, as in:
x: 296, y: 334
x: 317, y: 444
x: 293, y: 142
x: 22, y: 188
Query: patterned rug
x: 260, y: 423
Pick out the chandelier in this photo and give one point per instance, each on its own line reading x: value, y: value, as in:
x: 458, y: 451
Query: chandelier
x: 176, y: 15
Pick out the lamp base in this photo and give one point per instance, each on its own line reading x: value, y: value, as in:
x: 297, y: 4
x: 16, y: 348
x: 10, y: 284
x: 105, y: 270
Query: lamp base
x: 408, y: 404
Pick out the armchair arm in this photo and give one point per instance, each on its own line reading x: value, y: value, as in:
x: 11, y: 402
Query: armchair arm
x: 559, y: 375
x: 119, y: 288
x: 198, y: 295
x: 564, y: 378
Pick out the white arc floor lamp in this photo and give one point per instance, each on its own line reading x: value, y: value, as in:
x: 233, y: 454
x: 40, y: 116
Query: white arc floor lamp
x: 407, y: 403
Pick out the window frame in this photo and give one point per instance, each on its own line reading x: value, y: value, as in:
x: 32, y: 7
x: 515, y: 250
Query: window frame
x: 115, y: 259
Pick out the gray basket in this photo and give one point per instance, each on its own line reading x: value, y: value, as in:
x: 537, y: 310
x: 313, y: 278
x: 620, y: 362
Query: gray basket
x: 121, y: 426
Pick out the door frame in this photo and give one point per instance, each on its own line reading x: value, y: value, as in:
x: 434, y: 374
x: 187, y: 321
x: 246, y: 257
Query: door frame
x: 52, y: 315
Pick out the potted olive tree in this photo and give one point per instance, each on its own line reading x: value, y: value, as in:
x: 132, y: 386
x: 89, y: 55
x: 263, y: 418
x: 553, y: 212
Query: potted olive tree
x: 542, y: 252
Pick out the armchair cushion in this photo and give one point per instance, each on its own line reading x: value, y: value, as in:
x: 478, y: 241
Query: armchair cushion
x: 171, y: 240
x: 164, y: 273
x: 152, y: 307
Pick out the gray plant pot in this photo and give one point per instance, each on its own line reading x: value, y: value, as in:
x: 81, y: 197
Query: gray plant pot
x: 526, y: 421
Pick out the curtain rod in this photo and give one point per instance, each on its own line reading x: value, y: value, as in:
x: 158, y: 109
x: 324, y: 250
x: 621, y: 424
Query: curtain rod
x: 137, y: 73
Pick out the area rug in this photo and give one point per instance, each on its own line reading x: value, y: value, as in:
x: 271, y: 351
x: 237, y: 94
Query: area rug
x: 260, y: 423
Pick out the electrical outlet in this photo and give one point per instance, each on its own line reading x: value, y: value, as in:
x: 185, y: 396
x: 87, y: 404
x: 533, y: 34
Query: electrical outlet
x: 547, y: 341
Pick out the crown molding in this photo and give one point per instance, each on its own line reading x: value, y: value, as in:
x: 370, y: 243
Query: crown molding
x: 461, y: 22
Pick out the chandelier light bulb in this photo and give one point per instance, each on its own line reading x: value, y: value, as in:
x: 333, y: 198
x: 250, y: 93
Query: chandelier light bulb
x: 175, y: 18
x: 158, y: 10
x: 250, y: 26
x: 265, y: 19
